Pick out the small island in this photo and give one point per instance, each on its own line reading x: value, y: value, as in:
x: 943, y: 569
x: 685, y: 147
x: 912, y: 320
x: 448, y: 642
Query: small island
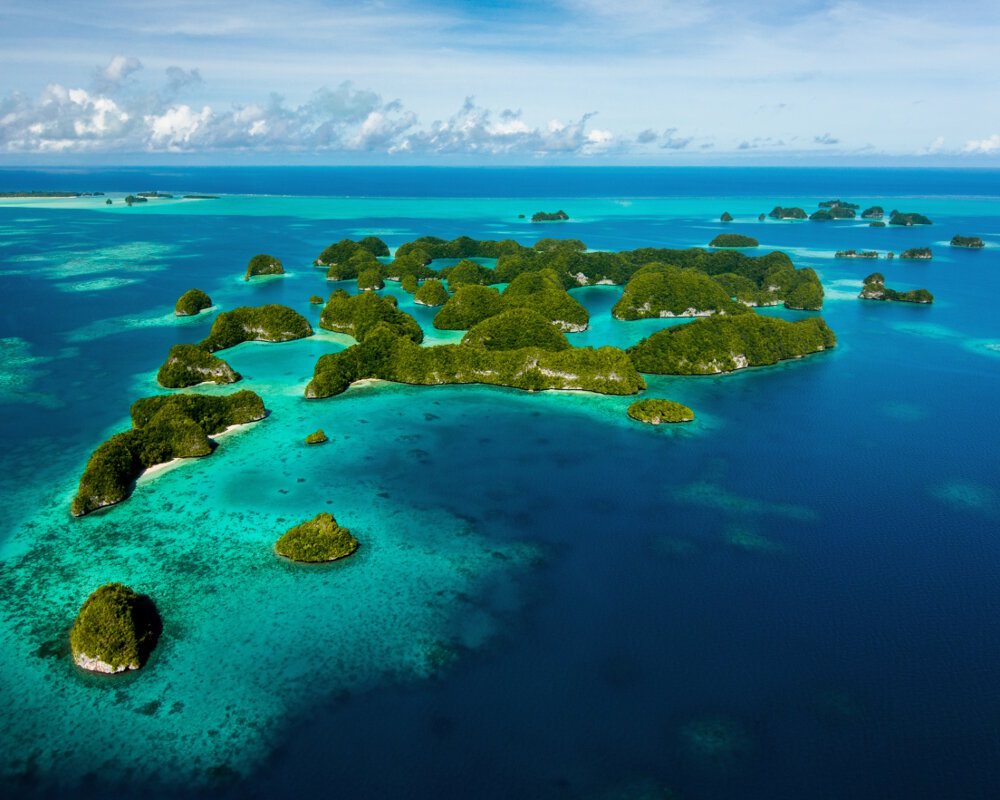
x: 263, y: 264
x: 470, y: 304
x: 370, y: 279
x: 316, y: 300
x: 514, y: 329
x: 132, y: 199
x: 115, y: 631
x: 968, y: 242
x: 833, y: 212
x: 155, y: 195
x: 918, y: 253
x: 317, y: 437
x: 431, y: 293
x: 908, y: 219
x: 726, y: 217
x: 856, y: 254
x: 270, y: 323
x: 191, y: 365
x: 358, y: 315
x: 875, y: 289
x: 876, y: 224
x: 319, y: 540
x: 466, y: 272
x: 192, y: 302
x: 547, y: 216
x: 654, y: 411
x: 838, y: 203
x: 873, y: 212
x: 778, y: 212
x: 733, y: 240
x: 662, y: 291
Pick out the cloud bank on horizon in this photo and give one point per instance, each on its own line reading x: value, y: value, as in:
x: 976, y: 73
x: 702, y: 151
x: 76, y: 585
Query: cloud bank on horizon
x: 424, y: 81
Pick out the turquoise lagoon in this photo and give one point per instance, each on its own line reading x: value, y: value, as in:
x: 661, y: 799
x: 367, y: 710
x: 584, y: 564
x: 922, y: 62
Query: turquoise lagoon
x: 793, y: 596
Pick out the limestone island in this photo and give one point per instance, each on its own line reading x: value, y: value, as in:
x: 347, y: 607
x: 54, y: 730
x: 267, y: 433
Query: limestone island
x: 319, y: 540
x: 263, y: 264
x: 358, y: 315
x: 431, y: 293
x: 315, y: 300
x: 409, y: 283
x: 788, y: 213
x: 876, y: 224
x: 833, y: 212
x: 908, y: 218
x: 164, y: 427
x: 873, y: 212
x: 856, y: 254
x: 725, y: 344
x: 116, y: 630
x: 370, y: 279
x: 192, y: 302
x: 654, y: 411
x: 317, y: 437
x: 155, y: 195
x: 270, y: 323
x: 191, y: 365
x: 969, y: 242
x: 875, y: 289
x: 918, y: 253
x: 342, y: 251
x: 733, y: 240
x: 515, y: 329
x: 838, y: 203
x: 662, y: 291
x: 547, y: 216
x: 467, y: 272
x: 131, y: 199
x: 726, y: 217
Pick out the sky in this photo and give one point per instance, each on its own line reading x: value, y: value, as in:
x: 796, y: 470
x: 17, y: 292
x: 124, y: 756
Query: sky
x: 500, y: 82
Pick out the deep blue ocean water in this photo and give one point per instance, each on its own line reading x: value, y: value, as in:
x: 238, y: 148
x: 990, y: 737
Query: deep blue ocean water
x: 794, y: 596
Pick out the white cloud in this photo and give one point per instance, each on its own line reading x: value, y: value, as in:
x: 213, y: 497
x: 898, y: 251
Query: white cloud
x: 991, y: 144
x: 176, y: 127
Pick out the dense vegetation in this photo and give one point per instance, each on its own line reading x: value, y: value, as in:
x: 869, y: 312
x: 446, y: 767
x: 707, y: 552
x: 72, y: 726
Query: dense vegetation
x: 874, y: 212
x: 833, y: 212
x: 856, y: 254
x: 876, y: 224
x: 409, y: 283
x: 357, y: 315
x: 342, y: 251
x: 467, y: 272
x: 270, y: 323
x: 370, y: 278
x: 550, y: 216
x: 875, y: 289
x: 315, y: 300
x: 385, y: 355
x: 115, y: 630
x: 838, y: 203
x: 919, y: 253
x: 908, y: 218
x: 515, y: 329
x: 726, y: 217
x: 431, y: 293
x: 723, y: 344
x: 163, y: 427
x: 131, y: 199
x: 431, y: 247
x: 317, y: 437
x: 971, y: 242
x: 191, y: 302
x: 543, y: 292
x: 655, y: 411
x: 469, y: 305
x: 733, y: 240
x: 659, y: 290
x: 318, y: 540
x: 788, y: 213
x: 263, y: 264
x: 190, y: 364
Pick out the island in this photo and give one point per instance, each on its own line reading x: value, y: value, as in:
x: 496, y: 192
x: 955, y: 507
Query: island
x: 654, y: 411
x: 192, y: 302
x: 733, y: 240
x: 131, y: 199
x: 727, y: 343
x: 515, y: 329
x: 875, y: 289
x: 761, y: 217
x: 342, y: 251
x: 467, y: 306
x: 778, y: 212
x: 873, y: 212
x: 876, y: 224
x: 155, y: 195
x: 543, y: 291
x: 547, y: 216
x: 856, y: 254
x: 191, y: 365
x: 409, y: 283
x: 833, y: 212
x: 27, y: 195
x: 431, y: 293
x: 164, y: 427
x: 270, y: 323
x: 319, y: 540
x: 908, y: 218
x: 357, y: 315
x: 726, y: 217
x: 263, y: 264
x: 467, y: 272
x: 115, y: 631
x: 370, y: 279
x: 317, y: 437
x: 201, y: 197
x: 968, y: 242
x: 316, y: 300
x: 660, y: 290
x: 918, y: 253
x: 838, y: 203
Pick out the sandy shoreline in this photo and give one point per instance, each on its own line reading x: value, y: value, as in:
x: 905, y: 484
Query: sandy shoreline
x: 159, y: 469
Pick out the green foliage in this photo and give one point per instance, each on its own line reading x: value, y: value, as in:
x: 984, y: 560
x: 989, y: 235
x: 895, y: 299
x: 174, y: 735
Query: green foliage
x: 856, y: 254
x: 191, y: 302
x: 412, y: 264
x: 723, y: 344
x: 131, y: 199
x: 548, y: 243
x: 409, y: 283
x: 357, y: 315
x: 317, y: 437
x: 920, y: 253
x: 370, y: 279
x: 431, y: 293
x: 875, y: 289
x: 514, y: 329
x: 803, y: 290
x: 469, y: 305
x: 318, y: 540
x: 874, y: 212
x: 263, y: 264
x: 467, y: 272
x: 876, y: 224
x: 833, y: 212
x: 908, y: 218
x: 116, y: 625
x: 463, y: 247
x: 971, y: 242
x: 726, y: 217
x: 315, y: 300
x: 661, y: 290
x: 341, y: 252
x: 838, y: 203
x: 788, y: 213
x: 270, y: 323
x: 190, y: 364
x: 733, y: 240
x: 374, y: 245
x: 655, y: 411
x: 550, y: 216
x: 543, y: 293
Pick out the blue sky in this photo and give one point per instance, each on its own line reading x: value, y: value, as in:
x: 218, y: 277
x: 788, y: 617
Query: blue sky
x: 567, y: 81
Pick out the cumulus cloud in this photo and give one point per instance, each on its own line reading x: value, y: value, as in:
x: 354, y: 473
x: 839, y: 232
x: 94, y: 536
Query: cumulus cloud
x: 115, y: 73
x: 671, y: 141
x: 826, y: 138
x: 986, y: 146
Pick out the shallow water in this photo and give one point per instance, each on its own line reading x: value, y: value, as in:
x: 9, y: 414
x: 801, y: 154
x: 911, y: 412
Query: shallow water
x: 795, y: 595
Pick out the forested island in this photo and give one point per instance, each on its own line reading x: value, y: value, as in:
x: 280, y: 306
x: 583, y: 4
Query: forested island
x: 875, y: 289
x: 726, y: 217
x: 192, y: 302
x: 190, y: 365
x: 37, y: 194
x: 832, y: 212
x: 856, y: 254
x: 733, y: 240
x: 654, y: 411
x: 270, y: 323
x: 918, y: 253
x: 659, y: 290
x: 968, y: 242
x: 794, y: 212
x: 319, y: 540
x: 908, y: 218
x: 263, y: 264
x: 115, y: 631
x: 873, y: 212
x: 550, y: 216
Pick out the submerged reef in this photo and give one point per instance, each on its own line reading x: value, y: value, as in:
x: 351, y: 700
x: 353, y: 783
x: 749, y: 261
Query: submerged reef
x: 263, y: 264
x: 654, y: 411
x: 116, y: 630
x: 191, y: 302
x: 319, y: 540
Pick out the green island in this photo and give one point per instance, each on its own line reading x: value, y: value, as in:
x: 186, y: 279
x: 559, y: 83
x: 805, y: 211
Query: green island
x: 724, y: 344
x: 316, y: 300
x: 726, y: 217
x: 543, y: 291
x: 344, y: 259
x: 319, y: 540
x: 550, y: 216
x: 654, y: 411
x: 794, y: 212
x: 132, y: 199
x: 873, y: 212
x: 838, y: 203
x: 409, y: 283
x: 263, y: 264
x: 969, y: 242
x: 155, y: 195
x: 39, y: 194
x: 270, y: 323
x: 115, y: 630
x: 832, y: 212
x: 164, y: 427
x: 317, y: 437
x: 358, y: 315
x: 370, y: 279
x: 908, y: 218
x: 515, y: 329
x: 431, y: 293
x: 733, y: 240
x: 875, y: 289
x: 467, y: 272
x: 876, y: 224
x: 192, y: 302
x: 190, y: 365
x: 201, y: 197
x: 467, y: 306
x: 660, y: 290
x: 856, y: 254
x: 918, y: 253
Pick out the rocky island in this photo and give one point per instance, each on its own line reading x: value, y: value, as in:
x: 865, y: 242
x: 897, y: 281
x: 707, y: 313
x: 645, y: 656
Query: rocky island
x: 515, y: 329
x: 873, y: 212
x: 263, y: 264
x: 778, y: 212
x: 875, y: 289
x: 856, y: 254
x: 733, y: 240
x: 370, y: 279
x: 115, y: 631
x: 431, y: 293
x: 832, y: 212
x: 918, y: 253
x: 191, y: 365
x: 357, y: 315
x: 726, y: 217
x: 968, y: 242
x: 546, y: 216
x: 270, y: 323
x: 908, y: 219
x: 654, y: 411
x: 467, y: 306
x: 319, y: 540
x: 659, y: 290
x: 317, y: 437
x: 192, y: 302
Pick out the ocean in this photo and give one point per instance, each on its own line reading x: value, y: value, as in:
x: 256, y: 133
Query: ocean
x: 796, y: 595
